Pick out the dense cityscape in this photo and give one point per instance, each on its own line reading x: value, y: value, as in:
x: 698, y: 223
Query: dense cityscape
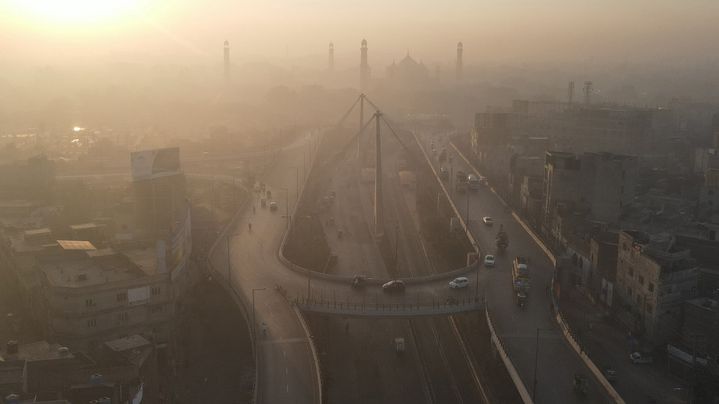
x: 437, y: 224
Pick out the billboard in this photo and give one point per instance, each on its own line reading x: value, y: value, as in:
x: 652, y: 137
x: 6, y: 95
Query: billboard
x: 148, y: 164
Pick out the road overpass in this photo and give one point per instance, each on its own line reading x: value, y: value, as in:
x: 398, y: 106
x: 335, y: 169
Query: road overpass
x: 530, y: 336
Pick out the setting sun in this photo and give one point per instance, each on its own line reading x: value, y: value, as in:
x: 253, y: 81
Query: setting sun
x: 72, y: 12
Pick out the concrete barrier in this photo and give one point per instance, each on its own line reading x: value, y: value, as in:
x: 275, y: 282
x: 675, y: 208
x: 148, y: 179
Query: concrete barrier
x: 513, y: 374
x: 313, y: 349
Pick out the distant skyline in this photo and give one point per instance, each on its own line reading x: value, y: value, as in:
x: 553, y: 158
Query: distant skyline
x: 512, y: 31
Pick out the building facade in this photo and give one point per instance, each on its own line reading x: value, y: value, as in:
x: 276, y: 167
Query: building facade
x: 654, y: 277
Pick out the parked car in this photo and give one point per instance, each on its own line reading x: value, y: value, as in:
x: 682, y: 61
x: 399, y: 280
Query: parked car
x: 273, y: 205
x: 393, y: 286
x: 488, y: 221
x: 458, y: 283
x: 489, y: 261
x: 640, y: 358
x: 451, y: 301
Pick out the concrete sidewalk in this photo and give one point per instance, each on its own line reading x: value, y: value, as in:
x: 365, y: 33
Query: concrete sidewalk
x: 607, y: 344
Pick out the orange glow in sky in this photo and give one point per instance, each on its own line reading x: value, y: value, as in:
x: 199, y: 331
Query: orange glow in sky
x: 73, y: 12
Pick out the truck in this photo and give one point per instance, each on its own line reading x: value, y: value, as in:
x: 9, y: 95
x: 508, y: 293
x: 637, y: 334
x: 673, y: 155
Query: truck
x: 520, y: 275
x: 460, y: 183
x: 501, y: 240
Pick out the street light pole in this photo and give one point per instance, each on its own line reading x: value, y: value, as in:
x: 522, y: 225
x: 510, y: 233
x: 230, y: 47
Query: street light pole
x: 476, y: 283
x: 287, y: 205
x: 466, y: 222
x: 297, y: 185
x: 254, y: 320
x: 229, y: 262
x: 536, y: 360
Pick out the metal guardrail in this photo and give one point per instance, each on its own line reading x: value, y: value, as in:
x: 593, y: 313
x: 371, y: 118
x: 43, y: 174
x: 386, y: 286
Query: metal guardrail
x: 385, y: 309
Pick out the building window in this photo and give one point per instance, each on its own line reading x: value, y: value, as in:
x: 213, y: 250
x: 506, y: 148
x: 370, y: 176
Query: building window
x: 651, y: 287
x: 641, y: 280
x: 649, y: 309
x: 631, y: 271
x: 155, y: 309
x: 91, y: 323
x: 123, y: 317
x: 629, y: 290
x: 155, y: 291
x: 122, y: 297
x: 89, y: 302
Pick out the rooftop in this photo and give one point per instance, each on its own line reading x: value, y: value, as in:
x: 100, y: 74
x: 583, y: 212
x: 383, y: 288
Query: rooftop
x: 37, y: 351
x: 97, y: 267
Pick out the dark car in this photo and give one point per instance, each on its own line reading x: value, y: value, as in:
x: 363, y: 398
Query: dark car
x: 393, y: 286
x: 443, y: 173
x: 358, y: 281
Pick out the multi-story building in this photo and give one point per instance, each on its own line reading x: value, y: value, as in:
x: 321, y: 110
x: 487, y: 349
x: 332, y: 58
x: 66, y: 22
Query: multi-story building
x: 600, y: 182
x: 603, y: 257
x: 90, y: 296
x: 101, y: 286
x: 531, y: 199
x: 700, y: 331
x: 655, y: 275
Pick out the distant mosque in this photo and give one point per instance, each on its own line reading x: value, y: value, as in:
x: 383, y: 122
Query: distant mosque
x: 408, y: 72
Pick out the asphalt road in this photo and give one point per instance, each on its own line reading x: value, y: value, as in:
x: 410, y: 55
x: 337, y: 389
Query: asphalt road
x: 518, y: 328
x: 286, y: 366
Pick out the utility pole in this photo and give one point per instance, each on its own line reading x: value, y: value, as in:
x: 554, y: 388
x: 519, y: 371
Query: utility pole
x: 229, y: 262
x: 378, y: 208
x: 361, y: 123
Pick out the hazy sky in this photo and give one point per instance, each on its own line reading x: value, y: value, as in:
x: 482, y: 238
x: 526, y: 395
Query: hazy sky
x: 89, y: 31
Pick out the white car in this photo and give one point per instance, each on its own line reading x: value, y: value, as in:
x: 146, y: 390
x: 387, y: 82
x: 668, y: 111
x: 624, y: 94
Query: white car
x: 488, y: 220
x: 489, y: 261
x: 459, y: 283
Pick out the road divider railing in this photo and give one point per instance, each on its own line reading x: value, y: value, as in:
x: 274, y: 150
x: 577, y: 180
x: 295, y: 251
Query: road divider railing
x: 598, y: 374
x: 389, y: 309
